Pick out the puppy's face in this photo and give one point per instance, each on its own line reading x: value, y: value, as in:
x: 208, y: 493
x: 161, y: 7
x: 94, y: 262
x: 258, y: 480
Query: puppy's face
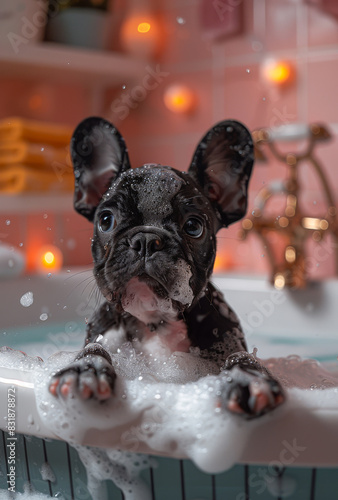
x: 154, y: 242
x: 154, y: 227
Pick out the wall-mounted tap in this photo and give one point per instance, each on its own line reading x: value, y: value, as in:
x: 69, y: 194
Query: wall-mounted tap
x: 293, y: 226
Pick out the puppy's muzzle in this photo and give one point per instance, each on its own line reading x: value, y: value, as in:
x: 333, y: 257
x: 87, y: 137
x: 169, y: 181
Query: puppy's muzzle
x: 146, y: 241
x: 146, y: 244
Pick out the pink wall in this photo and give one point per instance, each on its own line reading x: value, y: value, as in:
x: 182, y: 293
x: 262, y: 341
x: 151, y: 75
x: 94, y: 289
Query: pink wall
x: 225, y: 75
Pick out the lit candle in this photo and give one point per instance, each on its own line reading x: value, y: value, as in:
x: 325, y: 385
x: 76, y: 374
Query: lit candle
x: 49, y: 259
x: 180, y: 99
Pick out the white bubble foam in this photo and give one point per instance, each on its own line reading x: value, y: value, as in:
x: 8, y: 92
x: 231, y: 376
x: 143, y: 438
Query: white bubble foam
x: 27, y: 299
x: 47, y: 473
x: 167, y: 406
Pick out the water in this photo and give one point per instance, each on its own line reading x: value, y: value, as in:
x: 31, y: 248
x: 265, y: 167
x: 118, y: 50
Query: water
x: 167, y: 405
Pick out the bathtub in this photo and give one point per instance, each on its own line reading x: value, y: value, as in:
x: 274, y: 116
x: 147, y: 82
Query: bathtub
x: 291, y: 455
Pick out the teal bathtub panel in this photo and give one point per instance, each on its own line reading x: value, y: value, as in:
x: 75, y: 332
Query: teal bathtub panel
x: 36, y: 456
x: 113, y: 492
x: 258, y: 481
x: 3, y: 462
x: 326, y: 484
x: 58, y: 456
x: 303, y: 481
x: 148, y: 477
x: 294, y: 483
x: 79, y: 476
x: 168, y: 479
x: 230, y: 485
x: 21, y: 466
x: 196, y: 483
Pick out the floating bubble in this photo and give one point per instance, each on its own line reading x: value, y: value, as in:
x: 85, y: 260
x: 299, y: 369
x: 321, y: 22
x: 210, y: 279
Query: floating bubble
x: 27, y: 299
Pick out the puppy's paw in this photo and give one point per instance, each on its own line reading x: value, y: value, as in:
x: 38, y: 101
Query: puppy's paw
x: 89, y: 377
x: 250, y: 395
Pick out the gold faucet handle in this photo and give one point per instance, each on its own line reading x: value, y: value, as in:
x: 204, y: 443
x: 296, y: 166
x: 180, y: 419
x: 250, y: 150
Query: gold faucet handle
x: 319, y: 132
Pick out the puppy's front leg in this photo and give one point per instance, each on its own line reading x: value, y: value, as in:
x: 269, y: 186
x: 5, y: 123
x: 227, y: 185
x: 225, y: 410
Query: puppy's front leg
x: 91, y: 375
x: 249, y: 389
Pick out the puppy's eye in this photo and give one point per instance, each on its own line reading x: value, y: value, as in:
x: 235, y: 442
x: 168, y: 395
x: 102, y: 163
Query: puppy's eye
x: 193, y: 227
x: 107, y: 222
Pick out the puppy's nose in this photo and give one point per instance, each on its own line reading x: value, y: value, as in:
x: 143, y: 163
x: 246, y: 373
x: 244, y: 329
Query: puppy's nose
x: 146, y: 244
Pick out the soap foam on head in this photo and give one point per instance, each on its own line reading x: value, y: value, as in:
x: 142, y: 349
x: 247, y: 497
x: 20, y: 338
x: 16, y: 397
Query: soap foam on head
x: 182, y: 291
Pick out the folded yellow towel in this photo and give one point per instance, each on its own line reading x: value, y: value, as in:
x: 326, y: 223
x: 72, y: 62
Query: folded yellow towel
x: 22, y: 178
x: 32, y: 154
x: 14, y: 129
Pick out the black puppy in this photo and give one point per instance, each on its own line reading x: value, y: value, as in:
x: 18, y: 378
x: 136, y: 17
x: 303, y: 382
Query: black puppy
x: 154, y: 247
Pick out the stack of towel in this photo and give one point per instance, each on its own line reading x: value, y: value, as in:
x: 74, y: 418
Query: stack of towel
x: 34, y: 156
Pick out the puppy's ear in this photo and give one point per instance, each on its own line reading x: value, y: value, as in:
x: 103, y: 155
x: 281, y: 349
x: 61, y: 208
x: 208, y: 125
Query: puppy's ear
x: 99, y: 155
x: 222, y: 165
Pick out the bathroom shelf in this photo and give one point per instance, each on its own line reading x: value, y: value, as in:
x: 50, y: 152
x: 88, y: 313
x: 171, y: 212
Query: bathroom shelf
x: 36, y: 203
x: 58, y: 63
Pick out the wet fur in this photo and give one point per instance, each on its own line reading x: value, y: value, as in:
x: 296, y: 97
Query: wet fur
x: 150, y: 251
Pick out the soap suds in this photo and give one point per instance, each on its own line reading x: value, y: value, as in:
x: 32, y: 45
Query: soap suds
x: 166, y: 405
x: 122, y: 468
x: 27, y: 495
x: 47, y: 473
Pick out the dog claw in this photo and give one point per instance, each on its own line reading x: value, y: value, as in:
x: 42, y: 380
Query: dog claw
x: 53, y: 387
x: 65, y: 389
x: 234, y: 407
x: 86, y: 392
x: 104, y: 389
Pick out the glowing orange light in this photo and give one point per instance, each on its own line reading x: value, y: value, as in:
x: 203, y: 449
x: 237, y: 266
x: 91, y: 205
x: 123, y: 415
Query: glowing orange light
x: 180, y: 99
x: 35, y: 102
x: 143, y: 27
x: 278, y: 72
x: 49, y: 259
x: 141, y: 35
x: 223, y: 262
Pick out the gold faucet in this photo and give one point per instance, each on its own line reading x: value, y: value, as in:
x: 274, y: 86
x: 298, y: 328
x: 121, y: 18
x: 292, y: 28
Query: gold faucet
x: 291, y: 229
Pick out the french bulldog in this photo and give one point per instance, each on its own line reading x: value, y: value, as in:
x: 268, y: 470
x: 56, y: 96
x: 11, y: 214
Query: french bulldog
x: 154, y: 247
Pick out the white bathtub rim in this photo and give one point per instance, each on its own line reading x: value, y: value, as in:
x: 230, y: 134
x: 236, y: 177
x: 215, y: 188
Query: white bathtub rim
x: 315, y: 429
